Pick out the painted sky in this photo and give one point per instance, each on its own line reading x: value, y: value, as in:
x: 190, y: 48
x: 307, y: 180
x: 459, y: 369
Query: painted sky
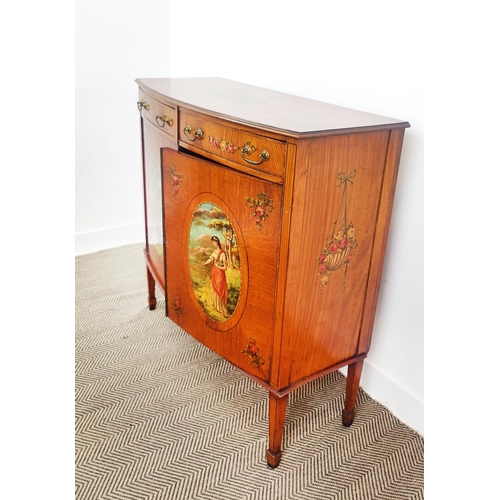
x: 200, y: 234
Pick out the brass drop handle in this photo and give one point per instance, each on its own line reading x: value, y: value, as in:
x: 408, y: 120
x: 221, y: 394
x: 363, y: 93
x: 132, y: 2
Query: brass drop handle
x: 142, y: 104
x: 197, y: 133
x: 248, y: 149
x: 162, y: 119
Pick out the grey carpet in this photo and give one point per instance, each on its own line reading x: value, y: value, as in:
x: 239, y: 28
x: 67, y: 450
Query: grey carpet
x: 159, y: 416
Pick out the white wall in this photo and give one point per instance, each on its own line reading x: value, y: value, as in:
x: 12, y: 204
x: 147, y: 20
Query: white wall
x: 116, y: 42
x: 361, y: 54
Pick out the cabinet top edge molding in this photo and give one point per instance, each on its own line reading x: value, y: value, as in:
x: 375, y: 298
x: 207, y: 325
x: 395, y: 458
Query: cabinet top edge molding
x: 257, y: 106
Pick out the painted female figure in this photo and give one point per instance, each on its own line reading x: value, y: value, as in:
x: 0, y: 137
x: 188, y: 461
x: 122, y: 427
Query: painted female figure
x: 218, y: 277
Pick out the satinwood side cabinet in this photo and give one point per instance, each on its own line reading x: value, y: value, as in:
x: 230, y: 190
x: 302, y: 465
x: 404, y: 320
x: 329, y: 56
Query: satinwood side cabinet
x: 266, y: 226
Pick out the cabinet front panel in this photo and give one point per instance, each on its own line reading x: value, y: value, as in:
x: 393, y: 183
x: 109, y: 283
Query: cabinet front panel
x: 154, y: 140
x: 243, y: 148
x: 222, y: 235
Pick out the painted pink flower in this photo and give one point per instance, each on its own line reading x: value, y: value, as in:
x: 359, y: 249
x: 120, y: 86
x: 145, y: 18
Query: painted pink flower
x: 334, y: 247
x: 349, y: 258
x: 216, y: 143
x: 257, y: 221
x: 259, y: 211
x: 322, y: 268
x: 175, y: 180
x: 231, y: 148
x: 252, y: 348
x: 322, y: 257
x: 344, y: 243
x: 210, y: 139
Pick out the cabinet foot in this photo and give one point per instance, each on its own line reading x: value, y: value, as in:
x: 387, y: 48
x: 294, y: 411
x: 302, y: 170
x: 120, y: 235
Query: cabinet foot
x: 347, y: 418
x: 273, y: 459
x: 351, y: 393
x: 277, y: 411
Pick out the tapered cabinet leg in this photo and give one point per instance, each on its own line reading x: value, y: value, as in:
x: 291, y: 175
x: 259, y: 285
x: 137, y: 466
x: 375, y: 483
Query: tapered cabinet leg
x: 151, y: 290
x: 277, y: 410
x: 352, y: 386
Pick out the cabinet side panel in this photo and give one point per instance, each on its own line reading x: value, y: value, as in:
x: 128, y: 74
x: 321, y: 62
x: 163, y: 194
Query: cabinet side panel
x: 153, y: 141
x: 337, y: 191
x: 380, y: 243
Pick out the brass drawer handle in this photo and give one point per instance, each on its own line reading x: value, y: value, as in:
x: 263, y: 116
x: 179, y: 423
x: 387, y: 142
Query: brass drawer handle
x: 248, y: 149
x: 142, y: 104
x: 162, y: 119
x: 197, y: 133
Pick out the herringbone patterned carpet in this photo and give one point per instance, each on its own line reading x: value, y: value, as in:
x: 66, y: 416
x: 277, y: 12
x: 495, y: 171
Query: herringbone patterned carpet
x: 159, y: 416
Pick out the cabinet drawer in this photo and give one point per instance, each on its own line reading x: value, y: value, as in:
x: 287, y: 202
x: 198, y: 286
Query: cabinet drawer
x: 230, y: 144
x: 159, y: 114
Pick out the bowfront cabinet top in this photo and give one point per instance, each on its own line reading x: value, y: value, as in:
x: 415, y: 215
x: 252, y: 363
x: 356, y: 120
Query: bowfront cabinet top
x: 266, y: 225
x: 266, y: 109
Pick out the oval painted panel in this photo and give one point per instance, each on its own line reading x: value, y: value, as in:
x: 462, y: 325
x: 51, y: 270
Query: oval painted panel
x: 214, y: 262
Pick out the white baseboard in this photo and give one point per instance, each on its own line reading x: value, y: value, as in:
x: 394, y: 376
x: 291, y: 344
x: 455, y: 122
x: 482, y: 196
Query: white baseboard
x: 401, y: 401
x: 94, y: 241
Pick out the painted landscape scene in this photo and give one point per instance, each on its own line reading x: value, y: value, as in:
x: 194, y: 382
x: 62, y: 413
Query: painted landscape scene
x: 214, y: 262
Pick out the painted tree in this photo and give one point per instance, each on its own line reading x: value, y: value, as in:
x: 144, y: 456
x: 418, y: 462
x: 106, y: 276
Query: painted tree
x: 221, y: 224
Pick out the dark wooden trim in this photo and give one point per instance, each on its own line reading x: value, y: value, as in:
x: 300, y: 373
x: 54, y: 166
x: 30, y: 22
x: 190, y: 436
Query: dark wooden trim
x: 286, y: 221
x: 305, y: 380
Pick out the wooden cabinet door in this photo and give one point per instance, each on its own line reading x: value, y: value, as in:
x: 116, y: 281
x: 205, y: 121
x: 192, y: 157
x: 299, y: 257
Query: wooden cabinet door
x: 222, y: 233
x: 153, y: 141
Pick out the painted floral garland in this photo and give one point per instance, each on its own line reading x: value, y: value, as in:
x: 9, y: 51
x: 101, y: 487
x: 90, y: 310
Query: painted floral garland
x: 341, y: 243
x: 252, y: 351
x: 176, y: 178
x: 222, y: 144
x: 263, y: 206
